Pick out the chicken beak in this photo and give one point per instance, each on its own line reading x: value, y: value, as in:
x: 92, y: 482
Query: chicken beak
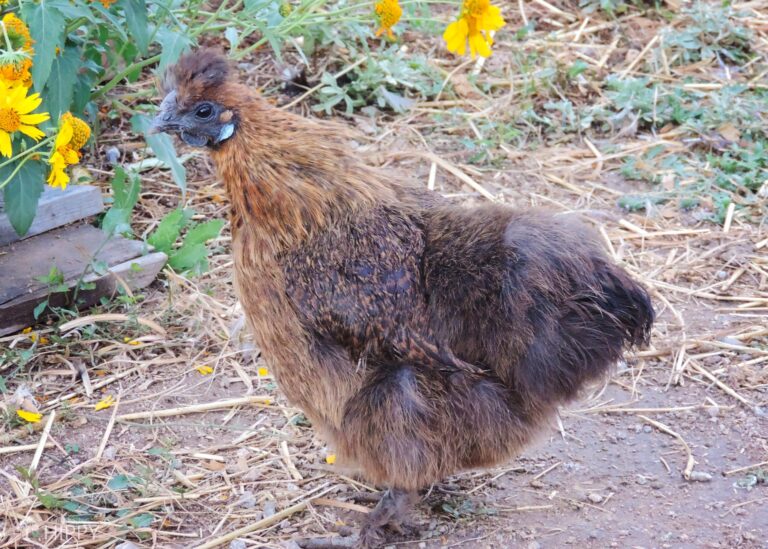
x: 166, y: 119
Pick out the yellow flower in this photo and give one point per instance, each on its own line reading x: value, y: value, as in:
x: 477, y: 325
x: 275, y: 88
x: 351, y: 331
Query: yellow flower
x: 17, y: 73
x: 106, y: 402
x: 263, y: 372
x: 475, y: 24
x: 204, y: 370
x: 30, y: 417
x: 26, y: 330
x: 73, y: 135
x: 106, y: 3
x: 330, y: 459
x: 15, y: 109
x: 17, y: 31
x: 389, y: 13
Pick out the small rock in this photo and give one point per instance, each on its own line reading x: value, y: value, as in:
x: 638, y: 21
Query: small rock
x: 269, y: 508
x: 536, y: 484
x: 730, y: 341
x: 647, y: 429
x: 641, y: 480
x: 713, y: 411
x: 237, y: 544
x: 109, y: 453
x: 700, y: 476
x: 247, y: 500
x: 594, y: 497
x: 291, y: 545
x: 721, y: 275
x: 113, y: 155
x: 422, y: 545
x: 126, y: 545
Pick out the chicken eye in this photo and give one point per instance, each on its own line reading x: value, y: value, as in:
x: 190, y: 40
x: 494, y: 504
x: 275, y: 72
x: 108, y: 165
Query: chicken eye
x: 204, y: 111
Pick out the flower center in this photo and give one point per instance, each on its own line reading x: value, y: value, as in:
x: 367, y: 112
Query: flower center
x: 9, y: 120
x: 389, y: 11
x: 476, y: 8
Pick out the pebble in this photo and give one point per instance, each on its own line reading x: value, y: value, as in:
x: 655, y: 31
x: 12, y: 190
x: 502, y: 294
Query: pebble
x: 647, y: 429
x: 237, y: 544
x: 269, y: 508
x: 247, y: 500
x: 594, y: 497
x: 127, y: 545
x: 113, y: 155
x: 700, y: 476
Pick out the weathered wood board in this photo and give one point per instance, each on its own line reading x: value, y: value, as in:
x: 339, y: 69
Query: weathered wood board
x: 71, y: 250
x: 55, y: 209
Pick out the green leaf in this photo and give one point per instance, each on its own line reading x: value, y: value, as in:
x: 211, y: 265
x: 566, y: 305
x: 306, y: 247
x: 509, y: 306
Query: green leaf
x: 22, y: 193
x: 46, y: 26
x: 173, y: 44
x: 202, y: 232
x: 163, y: 147
x: 49, y: 501
x: 136, y: 19
x: 122, y: 482
x: 60, y: 89
x: 189, y: 257
x: 118, y: 218
x: 168, y: 231
x: 39, y: 309
x: 142, y: 521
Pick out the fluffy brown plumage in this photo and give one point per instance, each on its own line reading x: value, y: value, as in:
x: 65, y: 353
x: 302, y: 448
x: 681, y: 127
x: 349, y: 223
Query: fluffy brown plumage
x: 420, y: 337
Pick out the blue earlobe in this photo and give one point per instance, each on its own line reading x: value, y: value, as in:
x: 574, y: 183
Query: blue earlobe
x: 226, y: 132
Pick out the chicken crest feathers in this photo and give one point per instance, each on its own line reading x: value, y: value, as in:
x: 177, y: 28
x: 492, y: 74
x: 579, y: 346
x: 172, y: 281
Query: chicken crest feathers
x: 196, y: 75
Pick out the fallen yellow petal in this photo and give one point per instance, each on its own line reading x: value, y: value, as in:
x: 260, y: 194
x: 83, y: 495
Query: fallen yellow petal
x: 26, y: 330
x: 31, y: 417
x: 204, y: 370
x: 130, y: 341
x: 263, y: 372
x: 106, y: 402
x: 330, y: 459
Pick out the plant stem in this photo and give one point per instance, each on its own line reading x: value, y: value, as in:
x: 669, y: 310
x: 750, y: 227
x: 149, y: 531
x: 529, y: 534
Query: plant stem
x: 26, y: 153
x: 14, y: 172
x: 122, y: 74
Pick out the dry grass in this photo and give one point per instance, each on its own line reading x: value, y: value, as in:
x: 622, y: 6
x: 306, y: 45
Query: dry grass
x: 184, y: 459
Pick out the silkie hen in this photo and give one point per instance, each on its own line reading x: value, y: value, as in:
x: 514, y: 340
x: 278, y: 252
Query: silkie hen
x: 421, y: 338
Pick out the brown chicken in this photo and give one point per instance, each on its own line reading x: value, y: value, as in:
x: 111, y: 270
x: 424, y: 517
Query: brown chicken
x: 420, y: 337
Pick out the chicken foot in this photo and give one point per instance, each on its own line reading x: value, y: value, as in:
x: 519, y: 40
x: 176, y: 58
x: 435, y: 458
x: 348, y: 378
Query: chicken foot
x: 391, y: 511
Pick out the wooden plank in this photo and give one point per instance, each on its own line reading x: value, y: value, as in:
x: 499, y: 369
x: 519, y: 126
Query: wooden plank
x: 56, y: 208
x: 71, y: 250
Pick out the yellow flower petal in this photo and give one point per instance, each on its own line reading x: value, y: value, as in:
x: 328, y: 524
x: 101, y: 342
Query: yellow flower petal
x: 36, y: 118
x: 5, y: 144
x: 30, y: 417
x: 455, y: 36
x: 64, y: 136
x: 29, y: 103
x: 106, y: 402
x: 263, y: 372
x: 478, y: 45
x: 204, y: 370
x: 330, y: 459
x: 32, y: 132
x: 26, y: 330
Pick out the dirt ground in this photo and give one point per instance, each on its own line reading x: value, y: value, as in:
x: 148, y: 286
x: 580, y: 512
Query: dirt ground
x: 672, y: 452
x: 610, y: 475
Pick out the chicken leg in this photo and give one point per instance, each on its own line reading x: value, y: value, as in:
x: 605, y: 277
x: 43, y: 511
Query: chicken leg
x: 391, y: 511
